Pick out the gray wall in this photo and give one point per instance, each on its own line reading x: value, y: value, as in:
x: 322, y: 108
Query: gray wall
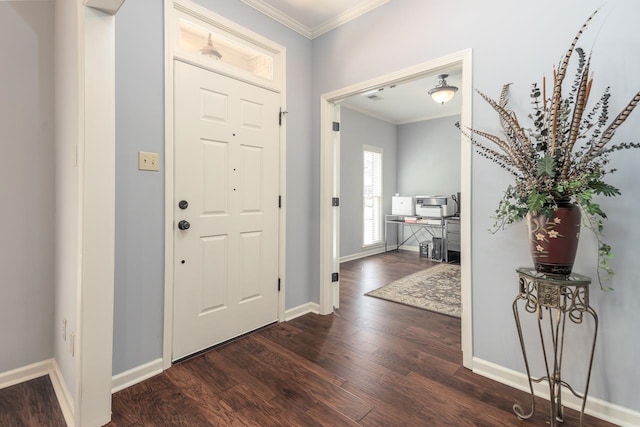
x: 139, y: 276
x: 403, y: 33
x: 356, y: 130
x: 419, y: 158
x: 139, y: 252
x: 27, y: 181
x: 429, y: 157
x: 428, y: 162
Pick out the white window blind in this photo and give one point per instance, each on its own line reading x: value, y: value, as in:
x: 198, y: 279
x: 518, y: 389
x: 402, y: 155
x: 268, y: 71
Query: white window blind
x: 372, y: 195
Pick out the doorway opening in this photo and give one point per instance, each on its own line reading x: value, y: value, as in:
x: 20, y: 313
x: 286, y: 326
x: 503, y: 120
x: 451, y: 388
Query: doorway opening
x: 330, y: 182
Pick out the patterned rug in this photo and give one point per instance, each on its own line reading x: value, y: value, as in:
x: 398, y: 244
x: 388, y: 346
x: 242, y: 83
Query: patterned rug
x: 435, y: 289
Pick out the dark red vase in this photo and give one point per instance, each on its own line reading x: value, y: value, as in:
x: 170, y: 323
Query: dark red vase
x: 554, y: 240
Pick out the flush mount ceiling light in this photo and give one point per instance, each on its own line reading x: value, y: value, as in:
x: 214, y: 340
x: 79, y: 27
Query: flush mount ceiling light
x: 443, y: 92
x: 211, y: 51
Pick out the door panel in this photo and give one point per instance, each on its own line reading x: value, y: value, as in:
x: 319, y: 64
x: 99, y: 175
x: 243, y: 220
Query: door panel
x: 226, y: 167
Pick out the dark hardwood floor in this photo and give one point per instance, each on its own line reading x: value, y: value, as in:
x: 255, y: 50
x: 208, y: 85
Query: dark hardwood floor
x: 32, y: 403
x: 373, y: 363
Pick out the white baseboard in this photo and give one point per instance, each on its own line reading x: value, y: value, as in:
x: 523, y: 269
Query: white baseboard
x: 136, y: 375
x: 39, y: 369
x: 410, y: 248
x: 595, y: 407
x: 363, y: 254
x: 25, y: 373
x: 62, y: 393
x: 301, y: 310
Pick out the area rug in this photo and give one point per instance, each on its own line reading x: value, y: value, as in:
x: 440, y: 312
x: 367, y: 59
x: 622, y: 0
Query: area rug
x: 436, y: 289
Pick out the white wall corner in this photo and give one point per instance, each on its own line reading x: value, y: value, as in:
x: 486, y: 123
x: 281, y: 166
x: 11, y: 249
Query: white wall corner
x: 595, y: 407
x: 107, y: 6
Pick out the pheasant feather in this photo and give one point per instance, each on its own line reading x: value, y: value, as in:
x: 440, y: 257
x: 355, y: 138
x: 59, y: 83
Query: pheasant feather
x: 578, y: 110
x: 558, y: 78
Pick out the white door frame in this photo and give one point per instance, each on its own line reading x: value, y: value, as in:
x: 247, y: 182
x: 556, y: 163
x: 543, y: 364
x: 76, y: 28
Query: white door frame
x: 197, y: 12
x: 329, y: 183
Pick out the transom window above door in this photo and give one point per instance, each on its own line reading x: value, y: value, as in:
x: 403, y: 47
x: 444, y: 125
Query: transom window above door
x: 213, y: 46
x: 214, y: 43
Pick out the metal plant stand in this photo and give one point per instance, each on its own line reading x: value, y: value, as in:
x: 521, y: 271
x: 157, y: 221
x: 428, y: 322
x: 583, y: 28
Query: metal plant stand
x: 558, y: 298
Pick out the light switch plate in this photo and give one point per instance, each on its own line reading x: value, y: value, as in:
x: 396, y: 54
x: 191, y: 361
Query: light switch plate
x: 148, y: 161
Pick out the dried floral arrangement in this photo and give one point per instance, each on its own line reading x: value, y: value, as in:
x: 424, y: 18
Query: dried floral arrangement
x: 565, y: 154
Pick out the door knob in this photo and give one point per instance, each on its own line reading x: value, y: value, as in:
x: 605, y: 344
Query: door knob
x: 183, y: 204
x: 184, y: 225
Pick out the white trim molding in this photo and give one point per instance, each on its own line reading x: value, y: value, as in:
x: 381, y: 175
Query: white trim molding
x: 329, y: 180
x: 309, y: 32
x: 280, y: 17
x: 136, y: 375
x: 25, y: 373
x: 107, y: 6
x: 363, y: 254
x: 301, y: 310
x: 595, y: 407
x: 62, y: 393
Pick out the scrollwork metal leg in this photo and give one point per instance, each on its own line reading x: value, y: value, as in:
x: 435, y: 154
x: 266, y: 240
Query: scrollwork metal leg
x: 593, y: 350
x: 517, y: 408
x: 559, y: 298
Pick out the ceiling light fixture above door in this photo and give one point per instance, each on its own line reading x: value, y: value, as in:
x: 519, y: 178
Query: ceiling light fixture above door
x: 443, y: 92
x: 211, y: 51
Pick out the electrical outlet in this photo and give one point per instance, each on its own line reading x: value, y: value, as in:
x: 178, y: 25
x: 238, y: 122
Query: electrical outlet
x: 148, y: 161
x: 64, y: 329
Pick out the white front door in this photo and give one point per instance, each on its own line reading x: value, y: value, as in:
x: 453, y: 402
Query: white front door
x: 226, y: 192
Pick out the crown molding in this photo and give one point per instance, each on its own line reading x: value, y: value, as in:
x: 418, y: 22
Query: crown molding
x: 347, y: 16
x: 107, y: 6
x: 311, y: 33
x: 280, y: 17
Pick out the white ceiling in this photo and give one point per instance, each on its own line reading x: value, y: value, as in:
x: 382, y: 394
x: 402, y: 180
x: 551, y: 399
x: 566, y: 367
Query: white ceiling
x: 409, y: 102
x: 406, y: 102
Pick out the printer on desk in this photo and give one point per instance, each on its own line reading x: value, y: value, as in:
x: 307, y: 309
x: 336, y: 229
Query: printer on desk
x: 403, y: 205
x: 435, y: 206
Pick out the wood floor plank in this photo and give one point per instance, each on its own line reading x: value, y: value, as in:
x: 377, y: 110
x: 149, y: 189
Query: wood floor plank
x: 163, y: 406
x: 325, y: 416
x: 318, y: 389
x: 342, y: 361
x: 294, y: 358
x: 280, y: 383
x: 249, y: 405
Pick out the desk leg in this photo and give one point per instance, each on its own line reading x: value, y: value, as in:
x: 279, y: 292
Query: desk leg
x: 386, y: 235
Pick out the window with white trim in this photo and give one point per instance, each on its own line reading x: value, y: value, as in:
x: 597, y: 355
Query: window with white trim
x: 372, y: 195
